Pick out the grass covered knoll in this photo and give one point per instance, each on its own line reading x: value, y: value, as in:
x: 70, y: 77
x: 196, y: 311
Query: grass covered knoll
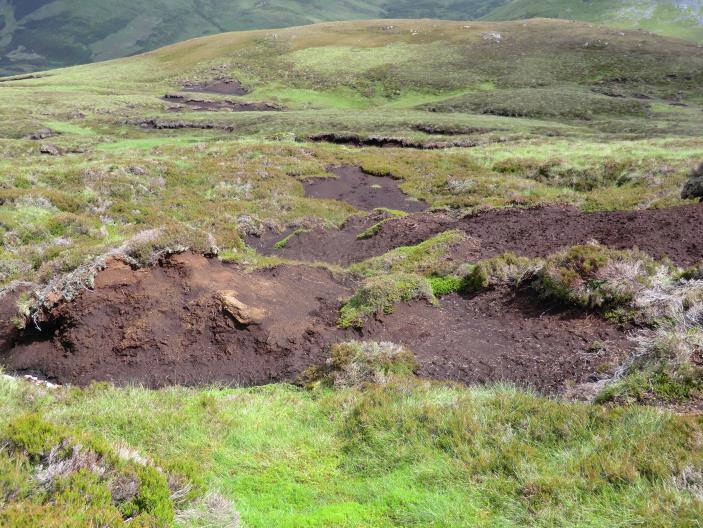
x: 41, y: 34
x: 401, y: 453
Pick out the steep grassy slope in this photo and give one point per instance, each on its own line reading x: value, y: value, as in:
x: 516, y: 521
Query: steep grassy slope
x: 40, y: 34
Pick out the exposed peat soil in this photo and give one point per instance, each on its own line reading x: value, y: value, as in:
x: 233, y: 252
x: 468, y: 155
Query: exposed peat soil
x: 363, y: 191
x: 224, y: 85
x: 167, y: 124
x: 355, y: 140
x: 192, y: 321
x: 167, y: 325
x: 503, y: 336
x: 673, y: 233
x: 202, y: 105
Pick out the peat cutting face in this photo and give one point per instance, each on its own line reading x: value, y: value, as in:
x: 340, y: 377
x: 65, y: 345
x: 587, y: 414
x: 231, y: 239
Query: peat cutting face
x: 192, y: 320
x: 195, y: 321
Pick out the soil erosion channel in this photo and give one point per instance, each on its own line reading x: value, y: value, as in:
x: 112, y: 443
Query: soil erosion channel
x: 672, y: 233
x: 193, y: 320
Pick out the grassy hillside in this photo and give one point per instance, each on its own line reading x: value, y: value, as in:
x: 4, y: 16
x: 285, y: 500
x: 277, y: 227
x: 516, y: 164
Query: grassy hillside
x: 681, y: 19
x: 43, y: 34
x: 96, y: 162
x: 600, y: 126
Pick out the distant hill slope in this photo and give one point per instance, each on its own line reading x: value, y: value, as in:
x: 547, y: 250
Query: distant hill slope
x: 674, y: 18
x: 42, y: 34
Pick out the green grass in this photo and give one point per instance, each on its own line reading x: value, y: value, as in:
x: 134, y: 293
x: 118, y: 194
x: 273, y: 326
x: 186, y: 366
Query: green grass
x: 405, y: 454
x: 69, y: 128
x: 424, y: 258
x: 380, y: 294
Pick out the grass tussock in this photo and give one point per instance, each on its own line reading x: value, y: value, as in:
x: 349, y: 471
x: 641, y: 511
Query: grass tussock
x: 592, y: 276
x: 360, y: 363
x: 56, y: 476
x: 667, y: 362
x: 380, y: 294
x: 77, y: 481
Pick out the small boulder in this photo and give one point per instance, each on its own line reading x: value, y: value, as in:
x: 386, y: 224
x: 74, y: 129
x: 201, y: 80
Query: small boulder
x: 242, y: 313
x: 50, y: 150
x: 693, y: 188
x: 42, y: 133
x: 493, y: 36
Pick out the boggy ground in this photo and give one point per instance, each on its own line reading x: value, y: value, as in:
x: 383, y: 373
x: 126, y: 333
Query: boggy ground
x: 363, y: 191
x: 672, y: 233
x: 169, y: 325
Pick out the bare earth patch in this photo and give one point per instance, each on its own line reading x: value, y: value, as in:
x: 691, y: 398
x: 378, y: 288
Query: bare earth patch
x: 193, y: 321
x: 224, y: 85
x: 363, y: 191
x: 672, y: 233
x: 203, y: 105
x: 497, y: 336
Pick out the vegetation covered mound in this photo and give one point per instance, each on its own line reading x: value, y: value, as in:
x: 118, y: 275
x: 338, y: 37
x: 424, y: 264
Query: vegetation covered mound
x: 40, y: 34
x: 53, y: 477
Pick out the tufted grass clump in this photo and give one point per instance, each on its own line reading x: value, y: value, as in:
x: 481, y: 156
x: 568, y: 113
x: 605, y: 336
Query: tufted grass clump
x: 427, y: 257
x: 359, y: 363
x: 380, y: 294
x: 667, y: 362
x: 593, y: 276
x: 149, y: 246
x: 55, y: 477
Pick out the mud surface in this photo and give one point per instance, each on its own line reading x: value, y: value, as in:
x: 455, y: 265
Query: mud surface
x: 202, y: 105
x: 224, y: 85
x: 170, y: 325
x: 497, y: 336
x: 363, y: 191
x: 673, y: 233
